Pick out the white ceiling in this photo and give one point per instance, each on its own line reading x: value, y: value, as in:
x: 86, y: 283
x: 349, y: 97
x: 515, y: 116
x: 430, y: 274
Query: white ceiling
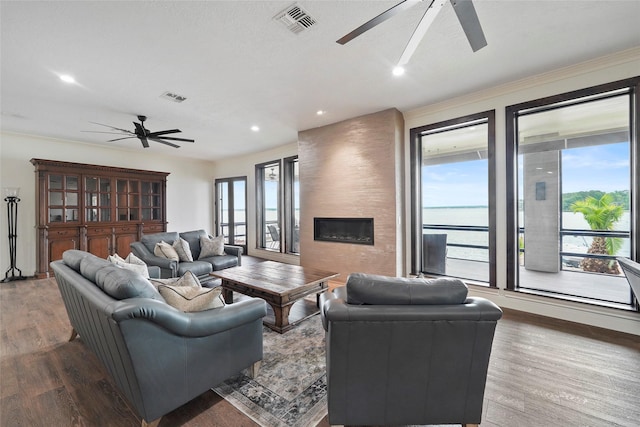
x: 238, y: 67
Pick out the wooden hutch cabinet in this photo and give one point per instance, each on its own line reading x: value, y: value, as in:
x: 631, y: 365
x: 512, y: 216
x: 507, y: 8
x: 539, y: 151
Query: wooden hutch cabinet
x: 99, y: 209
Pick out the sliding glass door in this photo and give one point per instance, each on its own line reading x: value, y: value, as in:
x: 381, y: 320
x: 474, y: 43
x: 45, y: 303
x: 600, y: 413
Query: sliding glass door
x: 231, y: 213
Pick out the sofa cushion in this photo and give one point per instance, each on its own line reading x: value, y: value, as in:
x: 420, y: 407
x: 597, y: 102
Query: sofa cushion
x: 211, y: 247
x: 221, y: 262
x: 193, y: 238
x: 150, y: 240
x: 73, y: 257
x: 183, y: 249
x: 120, y: 283
x: 199, y: 268
x: 165, y: 250
x: 382, y: 290
x: 189, y: 299
x: 90, y: 265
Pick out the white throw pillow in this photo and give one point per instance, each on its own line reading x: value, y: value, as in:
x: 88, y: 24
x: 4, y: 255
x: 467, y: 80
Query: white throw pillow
x: 187, y: 279
x: 183, y: 249
x: 165, y: 250
x: 132, y: 263
x: 189, y: 298
x: 211, y: 247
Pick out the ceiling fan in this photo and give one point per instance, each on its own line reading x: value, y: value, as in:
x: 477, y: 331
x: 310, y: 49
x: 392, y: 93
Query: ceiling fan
x: 144, y: 135
x: 465, y: 11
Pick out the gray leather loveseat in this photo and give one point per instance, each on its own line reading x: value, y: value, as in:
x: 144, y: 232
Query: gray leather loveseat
x: 144, y: 249
x: 406, y: 351
x: 158, y: 357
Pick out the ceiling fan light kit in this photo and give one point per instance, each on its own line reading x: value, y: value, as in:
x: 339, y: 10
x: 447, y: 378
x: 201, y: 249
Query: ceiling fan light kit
x: 464, y: 9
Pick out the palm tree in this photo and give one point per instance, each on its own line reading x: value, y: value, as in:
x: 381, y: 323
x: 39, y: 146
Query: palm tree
x: 600, y: 214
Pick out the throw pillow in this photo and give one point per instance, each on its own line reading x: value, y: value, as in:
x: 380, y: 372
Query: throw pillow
x: 132, y: 263
x: 211, y: 247
x: 190, y: 299
x: 165, y: 250
x: 183, y: 249
x: 188, y: 279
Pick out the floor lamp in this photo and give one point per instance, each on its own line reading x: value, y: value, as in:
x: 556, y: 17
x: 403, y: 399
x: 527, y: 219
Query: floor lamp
x: 12, y: 199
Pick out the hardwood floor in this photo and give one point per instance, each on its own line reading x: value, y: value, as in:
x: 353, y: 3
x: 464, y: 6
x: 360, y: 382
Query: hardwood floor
x: 543, y: 372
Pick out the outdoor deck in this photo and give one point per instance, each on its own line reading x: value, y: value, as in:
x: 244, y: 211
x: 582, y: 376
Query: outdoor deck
x: 602, y: 287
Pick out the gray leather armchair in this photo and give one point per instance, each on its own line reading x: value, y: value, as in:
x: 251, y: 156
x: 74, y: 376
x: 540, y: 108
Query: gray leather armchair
x: 406, y: 351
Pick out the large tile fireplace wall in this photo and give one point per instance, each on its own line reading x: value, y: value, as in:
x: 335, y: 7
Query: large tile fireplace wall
x: 353, y: 169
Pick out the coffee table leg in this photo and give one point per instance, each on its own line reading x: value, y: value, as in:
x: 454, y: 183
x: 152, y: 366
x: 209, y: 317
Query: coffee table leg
x: 281, y: 315
x: 227, y: 294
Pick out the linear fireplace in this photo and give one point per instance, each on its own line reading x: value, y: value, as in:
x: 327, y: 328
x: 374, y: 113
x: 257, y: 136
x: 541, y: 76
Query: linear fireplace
x: 344, y: 230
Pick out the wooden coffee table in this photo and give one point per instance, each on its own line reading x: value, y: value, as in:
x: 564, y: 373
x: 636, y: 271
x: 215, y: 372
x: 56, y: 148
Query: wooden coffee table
x: 280, y: 285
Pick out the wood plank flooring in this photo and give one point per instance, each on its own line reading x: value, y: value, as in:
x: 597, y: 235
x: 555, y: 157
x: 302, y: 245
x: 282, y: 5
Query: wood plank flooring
x: 543, y: 372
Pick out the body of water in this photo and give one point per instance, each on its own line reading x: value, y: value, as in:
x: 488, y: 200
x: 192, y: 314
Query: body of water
x: 479, y: 216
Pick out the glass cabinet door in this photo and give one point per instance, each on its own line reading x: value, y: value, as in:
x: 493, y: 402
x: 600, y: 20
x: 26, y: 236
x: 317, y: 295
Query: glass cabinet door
x: 127, y: 200
x: 63, y: 198
x: 97, y: 199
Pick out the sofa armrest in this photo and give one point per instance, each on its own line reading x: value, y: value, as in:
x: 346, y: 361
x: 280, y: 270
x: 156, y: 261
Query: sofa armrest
x: 141, y: 251
x: 234, y: 250
x: 199, y: 324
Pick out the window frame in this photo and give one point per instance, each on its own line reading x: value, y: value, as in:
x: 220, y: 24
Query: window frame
x: 512, y: 113
x: 416, y: 187
x: 260, y: 168
x: 289, y: 205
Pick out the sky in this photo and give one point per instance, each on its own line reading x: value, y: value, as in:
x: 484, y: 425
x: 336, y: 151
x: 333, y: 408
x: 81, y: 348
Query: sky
x: 602, y: 167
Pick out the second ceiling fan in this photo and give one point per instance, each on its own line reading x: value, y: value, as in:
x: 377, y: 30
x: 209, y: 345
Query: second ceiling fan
x: 465, y: 11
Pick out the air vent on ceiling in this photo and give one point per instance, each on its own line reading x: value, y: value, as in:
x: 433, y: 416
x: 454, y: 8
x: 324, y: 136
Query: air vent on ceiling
x: 173, y: 97
x: 295, y: 19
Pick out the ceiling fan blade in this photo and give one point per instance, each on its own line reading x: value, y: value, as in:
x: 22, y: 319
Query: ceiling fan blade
x: 120, y: 139
x: 164, y: 132
x: 144, y: 141
x: 418, y: 34
x: 170, y: 138
x: 470, y: 23
x: 99, y: 131
x: 121, y: 130
x: 402, y: 6
x: 164, y: 142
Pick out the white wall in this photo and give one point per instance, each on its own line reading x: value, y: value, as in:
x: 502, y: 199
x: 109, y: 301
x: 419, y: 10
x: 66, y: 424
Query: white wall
x: 189, y: 186
x: 603, y: 70
x: 245, y: 166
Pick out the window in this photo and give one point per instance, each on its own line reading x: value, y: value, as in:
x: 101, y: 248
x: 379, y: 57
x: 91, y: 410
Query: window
x: 573, y: 188
x: 268, y: 205
x: 292, y: 204
x: 231, y: 212
x: 453, y: 200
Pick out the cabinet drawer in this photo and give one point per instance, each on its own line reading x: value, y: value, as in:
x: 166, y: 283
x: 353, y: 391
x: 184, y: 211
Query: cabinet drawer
x: 153, y: 228
x: 126, y: 229
x: 97, y: 231
x: 65, y: 232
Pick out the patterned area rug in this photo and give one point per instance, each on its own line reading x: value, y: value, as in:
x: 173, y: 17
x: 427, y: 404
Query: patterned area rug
x: 290, y: 388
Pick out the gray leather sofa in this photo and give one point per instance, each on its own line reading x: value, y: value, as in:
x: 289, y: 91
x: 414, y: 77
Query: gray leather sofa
x: 144, y: 249
x: 406, y: 351
x: 158, y: 357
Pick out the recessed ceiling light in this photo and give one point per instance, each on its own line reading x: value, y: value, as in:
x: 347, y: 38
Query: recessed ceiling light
x: 67, y: 78
x: 255, y: 128
x: 320, y: 112
x: 398, y: 71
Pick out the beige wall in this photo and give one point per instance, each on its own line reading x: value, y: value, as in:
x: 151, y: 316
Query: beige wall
x: 189, y: 186
x: 350, y: 170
